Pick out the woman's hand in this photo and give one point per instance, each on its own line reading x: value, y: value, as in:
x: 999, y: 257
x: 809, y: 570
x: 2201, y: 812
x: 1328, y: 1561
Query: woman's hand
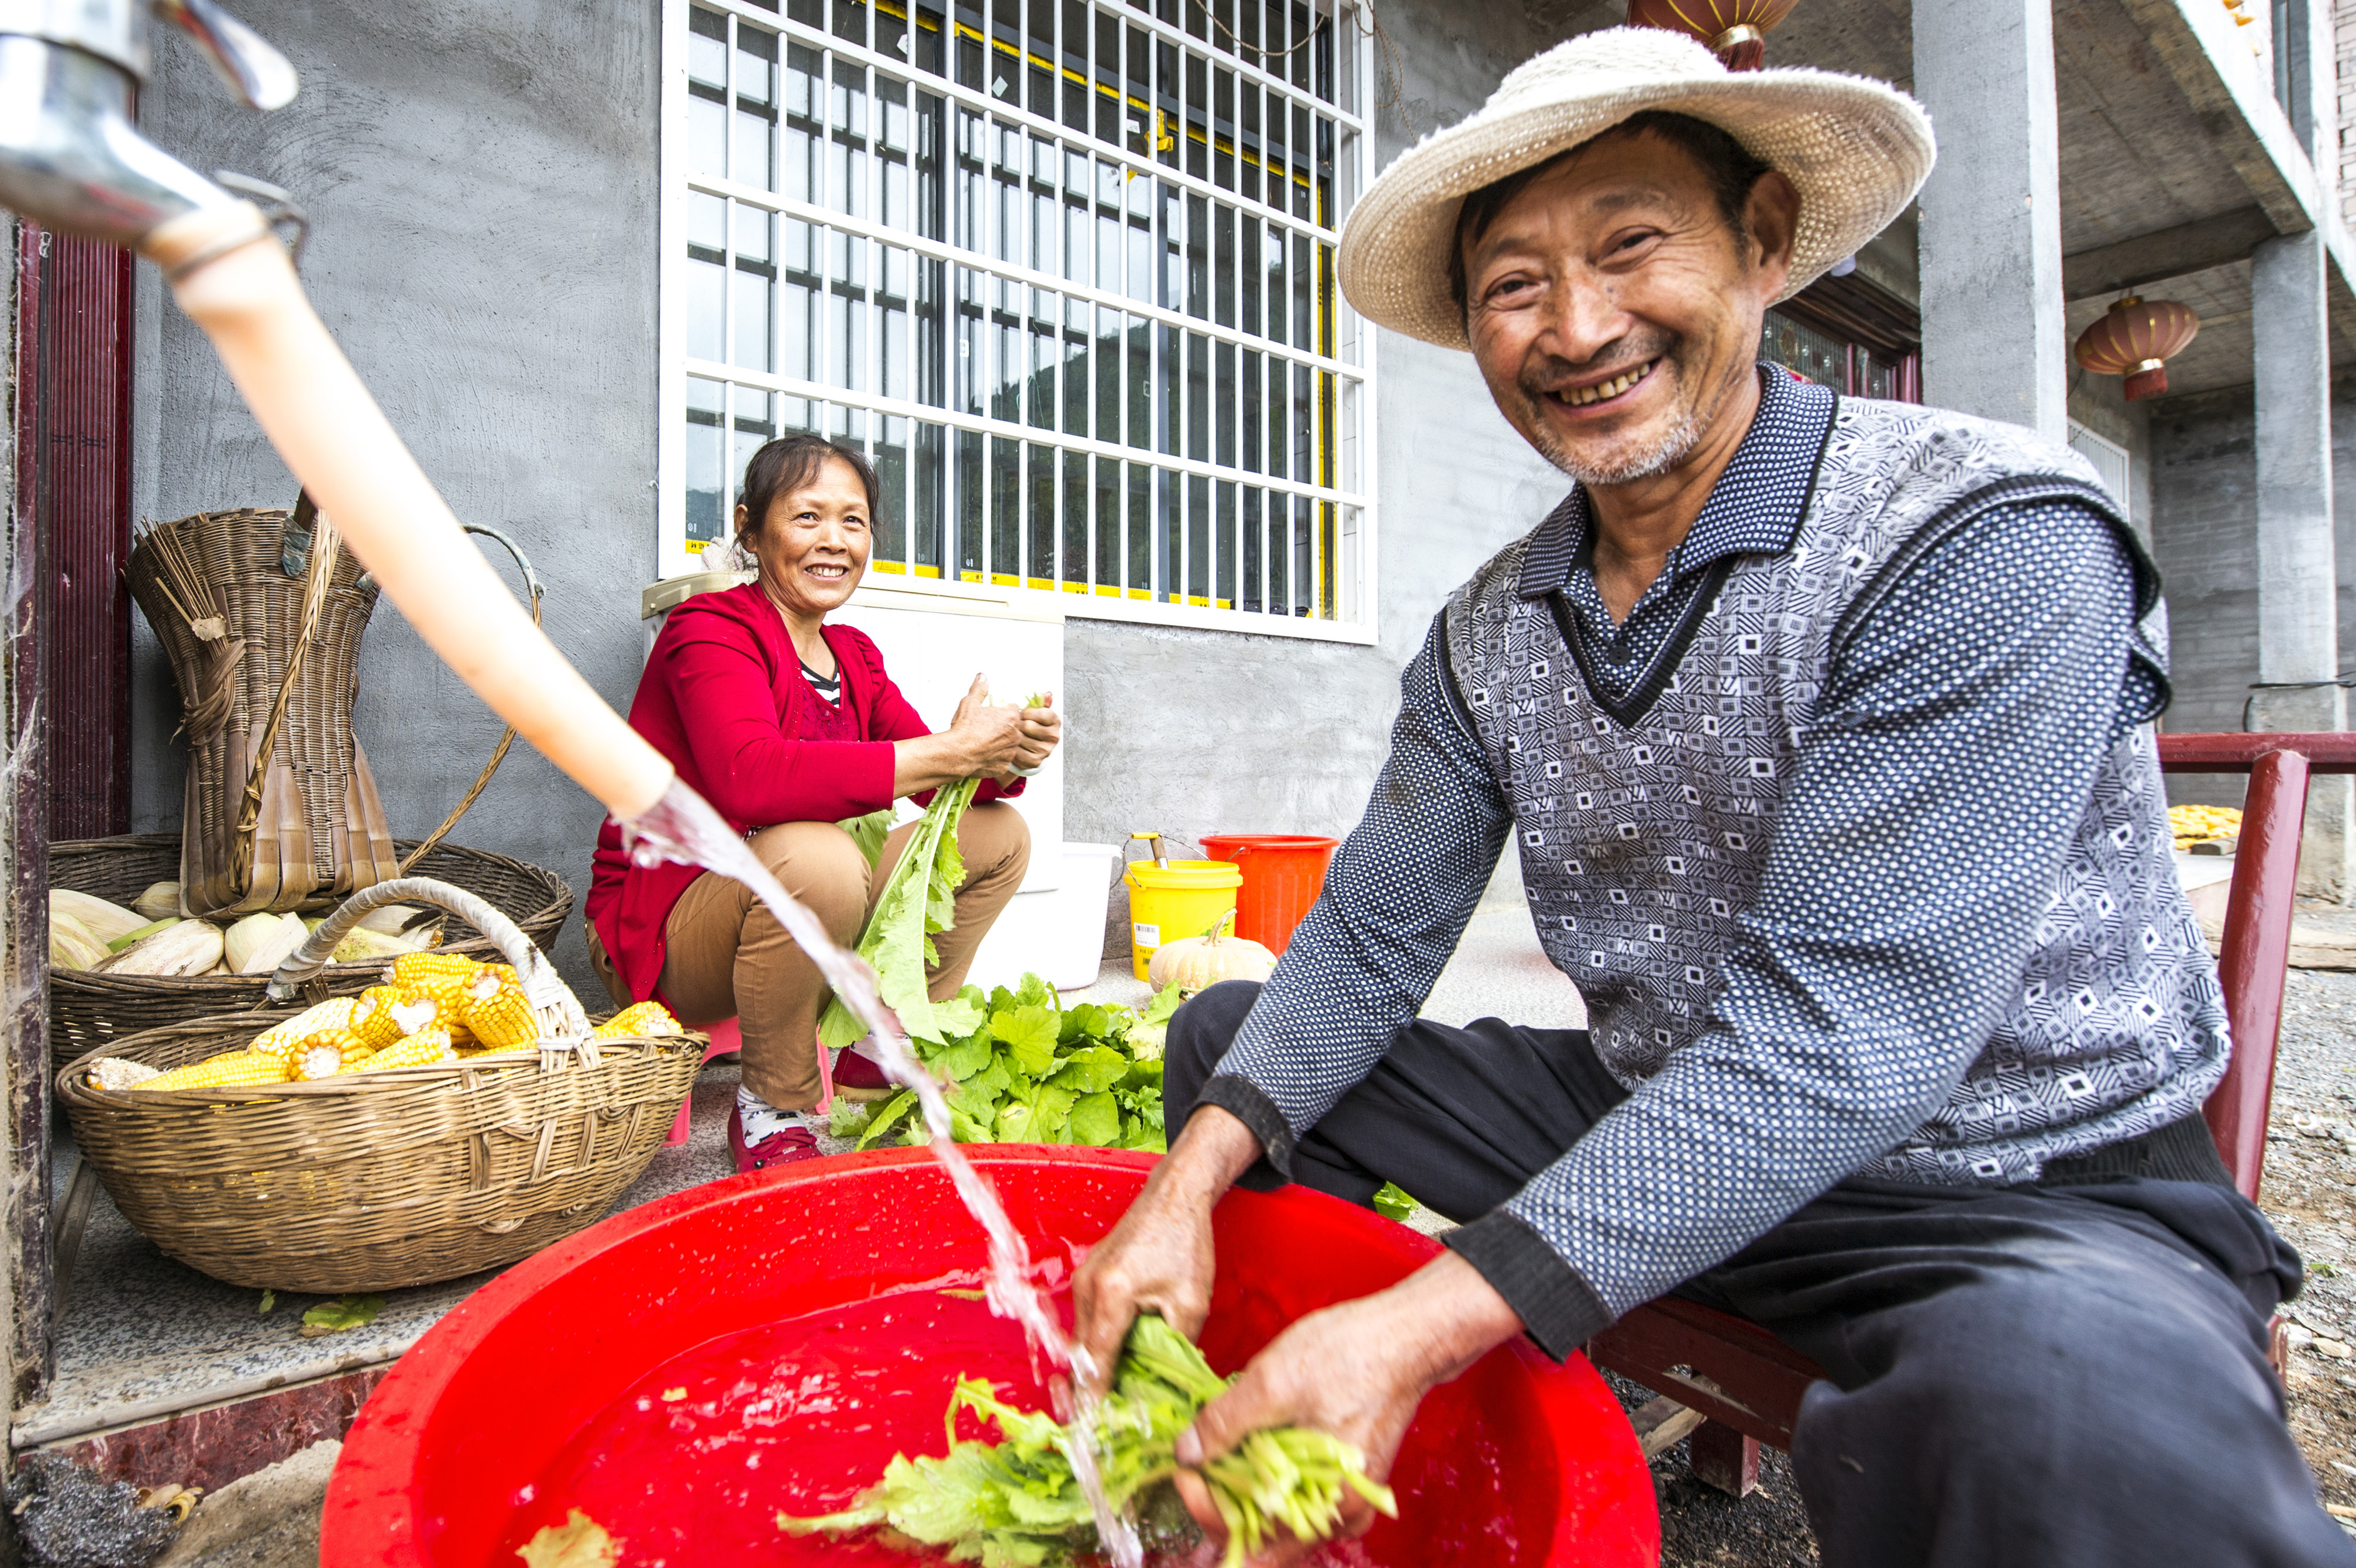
x: 1357, y: 1372
x: 981, y: 742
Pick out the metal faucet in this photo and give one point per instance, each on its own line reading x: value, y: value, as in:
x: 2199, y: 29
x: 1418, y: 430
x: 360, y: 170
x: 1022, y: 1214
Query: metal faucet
x: 70, y: 157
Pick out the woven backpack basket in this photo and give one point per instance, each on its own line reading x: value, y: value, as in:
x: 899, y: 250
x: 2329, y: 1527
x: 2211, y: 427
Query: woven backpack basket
x: 379, y: 1180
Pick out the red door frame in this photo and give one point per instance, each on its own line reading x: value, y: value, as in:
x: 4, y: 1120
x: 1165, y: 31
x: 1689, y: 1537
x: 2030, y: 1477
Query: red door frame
x: 74, y: 425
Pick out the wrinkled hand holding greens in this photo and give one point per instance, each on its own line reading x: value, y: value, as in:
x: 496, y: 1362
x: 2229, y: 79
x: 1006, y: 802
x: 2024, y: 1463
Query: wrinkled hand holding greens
x: 1014, y: 1504
x: 1026, y: 1068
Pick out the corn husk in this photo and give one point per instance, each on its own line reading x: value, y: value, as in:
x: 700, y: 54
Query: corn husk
x: 150, y: 929
x: 160, y: 900
x: 191, y: 947
x: 395, y: 919
x: 103, y: 920
x: 260, y: 943
x: 115, y: 1073
x: 71, y: 947
x: 361, y: 945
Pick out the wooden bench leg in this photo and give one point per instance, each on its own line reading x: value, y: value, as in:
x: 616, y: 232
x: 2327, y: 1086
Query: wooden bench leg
x: 1724, y: 1458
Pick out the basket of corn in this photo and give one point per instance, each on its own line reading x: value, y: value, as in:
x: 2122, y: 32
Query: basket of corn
x: 124, y: 958
x: 453, y: 1115
x: 2205, y: 829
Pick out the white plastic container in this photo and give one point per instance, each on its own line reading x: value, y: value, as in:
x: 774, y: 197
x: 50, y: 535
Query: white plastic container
x: 1056, y: 933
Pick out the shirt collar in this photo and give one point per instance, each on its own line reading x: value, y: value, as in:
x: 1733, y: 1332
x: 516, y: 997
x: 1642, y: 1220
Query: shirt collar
x: 1755, y: 507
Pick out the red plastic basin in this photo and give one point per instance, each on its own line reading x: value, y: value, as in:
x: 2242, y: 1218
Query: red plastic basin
x: 1519, y: 1461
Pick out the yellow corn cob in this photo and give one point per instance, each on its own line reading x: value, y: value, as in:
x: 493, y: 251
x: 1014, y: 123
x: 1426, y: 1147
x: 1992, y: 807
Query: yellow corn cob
x: 428, y: 969
x: 638, y: 1020
x: 384, y: 1014
x: 426, y: 1048
x: 328, y: 1053
x: 229, y: 1070
x: 503, y: 1020
x: 280, y: 1039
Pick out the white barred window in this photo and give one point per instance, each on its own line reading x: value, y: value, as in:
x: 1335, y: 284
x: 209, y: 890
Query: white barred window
x: 1064, y: 268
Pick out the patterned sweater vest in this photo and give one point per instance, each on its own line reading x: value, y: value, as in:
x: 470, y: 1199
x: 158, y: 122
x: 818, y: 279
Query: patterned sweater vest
x: 1641, y: 843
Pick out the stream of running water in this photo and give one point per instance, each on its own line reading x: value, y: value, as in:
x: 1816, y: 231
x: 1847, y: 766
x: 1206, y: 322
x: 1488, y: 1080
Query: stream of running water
x: 682, y: 827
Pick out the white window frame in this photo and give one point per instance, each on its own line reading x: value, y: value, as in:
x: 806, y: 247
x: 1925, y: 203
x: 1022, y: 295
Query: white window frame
x: 2093, y: 447
x: 1355, y: 616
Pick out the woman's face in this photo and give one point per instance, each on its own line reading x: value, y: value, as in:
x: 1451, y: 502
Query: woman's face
x: 813, y: 545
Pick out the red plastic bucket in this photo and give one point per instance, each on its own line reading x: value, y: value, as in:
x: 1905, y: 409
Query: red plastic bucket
x: 1284, y: 874
x: 477, y: 1438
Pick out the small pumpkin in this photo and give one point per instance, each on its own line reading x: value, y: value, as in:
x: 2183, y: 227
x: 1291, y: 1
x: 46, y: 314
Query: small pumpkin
x: 1197, y: 962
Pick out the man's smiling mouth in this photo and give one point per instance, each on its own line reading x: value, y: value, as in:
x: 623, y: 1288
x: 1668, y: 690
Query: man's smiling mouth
x: 1603, y: 391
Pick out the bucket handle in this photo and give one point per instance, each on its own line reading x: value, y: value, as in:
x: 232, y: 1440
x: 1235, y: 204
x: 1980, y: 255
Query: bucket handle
x: 1159, y: 838
x: 559, y: 1014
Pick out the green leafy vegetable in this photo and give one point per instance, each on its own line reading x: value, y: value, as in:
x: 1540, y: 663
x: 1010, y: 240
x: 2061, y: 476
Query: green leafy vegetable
x: 269, y: 1300
x: 1015, y: 1502
x: 869, y: 832
x: 919, y: 899
x: 1392, y: 1203
x: 1020, y: 1067
x: 344, y: 1312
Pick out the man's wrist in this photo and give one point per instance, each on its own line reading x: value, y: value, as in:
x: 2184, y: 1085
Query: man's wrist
x: 1456, y: 1316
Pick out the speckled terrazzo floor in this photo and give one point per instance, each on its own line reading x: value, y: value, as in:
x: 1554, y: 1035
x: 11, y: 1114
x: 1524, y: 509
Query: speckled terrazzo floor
x: 144, y: 1338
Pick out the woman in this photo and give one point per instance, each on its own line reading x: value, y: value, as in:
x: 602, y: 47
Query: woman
x: 789, y: 726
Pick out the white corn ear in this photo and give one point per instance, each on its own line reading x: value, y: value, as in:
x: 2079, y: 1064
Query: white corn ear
x: 360, y: 946
x: 258, y: 944
x: 103, y: 920
x: 394, y: 920
x: 71, y: 947
x: 161, y: 900
x: 150, y: 929
x: 191, y: 947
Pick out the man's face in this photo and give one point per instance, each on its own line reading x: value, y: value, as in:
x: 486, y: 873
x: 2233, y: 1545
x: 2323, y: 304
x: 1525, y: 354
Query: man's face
x: 1613, y: 309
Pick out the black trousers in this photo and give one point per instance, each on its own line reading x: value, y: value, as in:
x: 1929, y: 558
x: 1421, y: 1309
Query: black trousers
x: 2069, y: 1374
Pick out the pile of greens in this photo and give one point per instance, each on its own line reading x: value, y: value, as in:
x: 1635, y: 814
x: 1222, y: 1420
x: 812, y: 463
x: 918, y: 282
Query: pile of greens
x: 1014, y: 1503
x: 1023, y: 1068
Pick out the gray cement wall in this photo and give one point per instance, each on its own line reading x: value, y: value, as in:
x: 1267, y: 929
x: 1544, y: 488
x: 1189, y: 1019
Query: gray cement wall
x: 2204, y: 511
x: 481, y: 181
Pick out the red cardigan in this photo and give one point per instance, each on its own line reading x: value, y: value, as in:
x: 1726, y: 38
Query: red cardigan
x: 724, y: 698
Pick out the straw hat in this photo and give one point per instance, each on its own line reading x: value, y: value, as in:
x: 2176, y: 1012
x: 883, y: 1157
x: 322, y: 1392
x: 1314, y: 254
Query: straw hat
x: 1857, y: 150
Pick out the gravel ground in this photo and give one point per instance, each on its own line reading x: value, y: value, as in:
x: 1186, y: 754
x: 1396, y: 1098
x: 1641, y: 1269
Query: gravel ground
x: 2310, y: 1193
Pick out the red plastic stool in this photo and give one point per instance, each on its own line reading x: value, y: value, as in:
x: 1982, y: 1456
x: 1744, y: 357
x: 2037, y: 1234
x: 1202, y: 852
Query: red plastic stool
x: 723, y: 1040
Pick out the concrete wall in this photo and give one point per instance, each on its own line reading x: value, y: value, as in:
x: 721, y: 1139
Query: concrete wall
x: 1202, y: 731
x: 481, y: 182
x: 2204, y: 499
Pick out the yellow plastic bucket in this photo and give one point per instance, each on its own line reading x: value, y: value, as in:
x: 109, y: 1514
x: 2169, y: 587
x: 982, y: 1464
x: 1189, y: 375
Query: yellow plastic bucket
x: 1181, y: 901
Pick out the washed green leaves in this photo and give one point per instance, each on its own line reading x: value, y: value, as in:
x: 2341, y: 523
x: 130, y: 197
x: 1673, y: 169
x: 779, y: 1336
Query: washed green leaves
x: 1015, y: 1501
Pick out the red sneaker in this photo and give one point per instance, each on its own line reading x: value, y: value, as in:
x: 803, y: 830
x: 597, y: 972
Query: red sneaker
x: 856, y: 1078
x: 778, y: 1148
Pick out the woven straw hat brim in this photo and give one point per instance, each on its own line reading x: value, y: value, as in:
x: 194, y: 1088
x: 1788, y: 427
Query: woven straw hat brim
x: 1857, y: 150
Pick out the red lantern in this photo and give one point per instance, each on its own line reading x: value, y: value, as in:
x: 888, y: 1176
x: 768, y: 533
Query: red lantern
x: 1735, y: 29
x: 2137, y: 338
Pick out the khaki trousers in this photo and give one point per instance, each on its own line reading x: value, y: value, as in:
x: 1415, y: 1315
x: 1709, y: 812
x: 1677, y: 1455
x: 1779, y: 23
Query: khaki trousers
x: 727, y: 955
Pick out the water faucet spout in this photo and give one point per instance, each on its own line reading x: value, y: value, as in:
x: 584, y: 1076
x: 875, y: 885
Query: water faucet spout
x: 71, y: 158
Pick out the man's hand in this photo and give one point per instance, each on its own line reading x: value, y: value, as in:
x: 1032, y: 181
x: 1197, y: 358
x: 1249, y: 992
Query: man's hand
x: 1159, y: 1258
x: 1357, y: 1372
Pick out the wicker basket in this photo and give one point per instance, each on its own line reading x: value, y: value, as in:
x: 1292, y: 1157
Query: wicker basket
x: 87, y: 1011
x: 377, y: 1180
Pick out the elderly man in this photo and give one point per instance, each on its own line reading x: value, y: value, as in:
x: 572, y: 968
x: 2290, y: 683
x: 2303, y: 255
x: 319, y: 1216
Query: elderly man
x: 1821, y: 728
